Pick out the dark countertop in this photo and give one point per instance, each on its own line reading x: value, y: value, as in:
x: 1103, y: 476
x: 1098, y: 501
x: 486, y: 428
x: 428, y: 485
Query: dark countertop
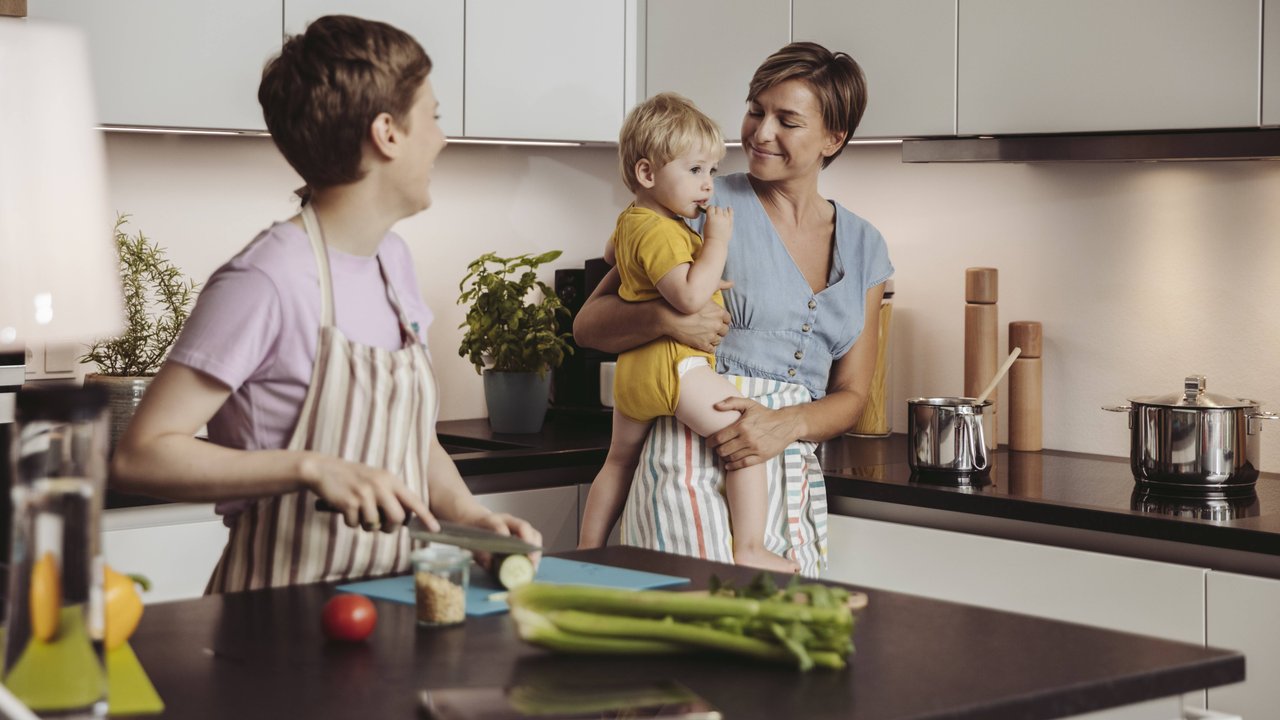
x: 261, y: 655
x: 1073, y: 490
x: 1052, y: 487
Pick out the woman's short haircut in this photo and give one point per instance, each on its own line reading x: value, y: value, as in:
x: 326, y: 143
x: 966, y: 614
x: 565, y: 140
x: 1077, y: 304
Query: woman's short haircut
x: 661, y: 129
x: 321, y: 94
x: 835, y: 79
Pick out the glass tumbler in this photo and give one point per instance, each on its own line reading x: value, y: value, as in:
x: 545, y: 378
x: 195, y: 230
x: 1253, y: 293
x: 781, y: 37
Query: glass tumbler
x: 54, y: 618
x: 441, y: 574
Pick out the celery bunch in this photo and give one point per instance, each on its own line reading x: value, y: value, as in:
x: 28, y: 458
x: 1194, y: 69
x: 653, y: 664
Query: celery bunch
x: 804, y: 624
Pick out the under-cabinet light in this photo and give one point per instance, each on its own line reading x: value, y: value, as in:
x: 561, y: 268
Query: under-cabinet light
x: 180, y: 131
x: 494, y: 141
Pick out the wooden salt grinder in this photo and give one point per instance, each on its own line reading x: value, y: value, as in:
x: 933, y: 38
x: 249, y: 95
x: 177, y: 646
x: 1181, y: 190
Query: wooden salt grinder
x: 981, y: 333
x: 1026, y: 426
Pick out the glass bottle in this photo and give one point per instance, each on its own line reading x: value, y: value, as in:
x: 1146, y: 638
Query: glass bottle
x: 54, y: 616
x: 877, y: 417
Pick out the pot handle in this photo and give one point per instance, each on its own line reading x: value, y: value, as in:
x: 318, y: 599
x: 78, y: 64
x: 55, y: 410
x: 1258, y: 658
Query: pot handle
x: 1119, y: 408
x: 1260, y: 415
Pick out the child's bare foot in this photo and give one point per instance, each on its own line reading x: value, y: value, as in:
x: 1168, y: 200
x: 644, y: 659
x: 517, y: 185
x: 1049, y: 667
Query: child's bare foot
x: 765, y: 560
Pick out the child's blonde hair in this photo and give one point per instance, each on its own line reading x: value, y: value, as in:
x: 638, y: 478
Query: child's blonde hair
x: 661, y: 129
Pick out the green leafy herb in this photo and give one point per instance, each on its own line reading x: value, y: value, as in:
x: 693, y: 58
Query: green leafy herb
x: 502, y: 324
x: 157, y: 300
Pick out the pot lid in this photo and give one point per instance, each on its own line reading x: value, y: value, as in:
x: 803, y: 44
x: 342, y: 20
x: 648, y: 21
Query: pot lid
x: 1193, y: 395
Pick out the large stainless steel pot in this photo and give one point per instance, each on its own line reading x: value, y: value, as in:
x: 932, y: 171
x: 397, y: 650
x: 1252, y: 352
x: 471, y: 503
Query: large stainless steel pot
x: 1194, y: 439
x: 946, y: 436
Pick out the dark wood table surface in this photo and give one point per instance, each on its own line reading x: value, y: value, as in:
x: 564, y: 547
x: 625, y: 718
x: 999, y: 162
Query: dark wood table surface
x: 262, y: 655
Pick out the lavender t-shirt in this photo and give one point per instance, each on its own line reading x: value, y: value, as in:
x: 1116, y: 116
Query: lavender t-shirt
x: 254, y: 327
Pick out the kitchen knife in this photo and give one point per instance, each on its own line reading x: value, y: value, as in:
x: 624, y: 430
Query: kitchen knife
x: 471, y: 538
x: 463, y: 536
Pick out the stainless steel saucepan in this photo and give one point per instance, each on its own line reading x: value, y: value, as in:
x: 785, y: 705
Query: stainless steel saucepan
x: 946, y: 436
x: 1194, y: 439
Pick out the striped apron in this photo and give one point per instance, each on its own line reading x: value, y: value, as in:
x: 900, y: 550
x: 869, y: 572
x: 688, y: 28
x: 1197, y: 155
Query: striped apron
x: 677, y: 502
x: 365, y: 404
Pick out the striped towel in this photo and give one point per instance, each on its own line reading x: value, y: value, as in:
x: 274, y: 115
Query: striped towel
x: 677, y: 502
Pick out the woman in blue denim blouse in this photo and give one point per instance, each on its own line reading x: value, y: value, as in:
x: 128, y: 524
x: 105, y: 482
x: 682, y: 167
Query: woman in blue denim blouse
x: 799, y: 336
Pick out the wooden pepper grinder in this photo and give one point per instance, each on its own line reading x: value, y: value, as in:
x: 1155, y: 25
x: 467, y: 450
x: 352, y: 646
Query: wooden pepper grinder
x: 1026, y: 427
x: 981, y: 343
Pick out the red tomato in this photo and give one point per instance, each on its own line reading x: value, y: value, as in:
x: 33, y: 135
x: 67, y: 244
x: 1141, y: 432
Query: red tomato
x: 349, y: 617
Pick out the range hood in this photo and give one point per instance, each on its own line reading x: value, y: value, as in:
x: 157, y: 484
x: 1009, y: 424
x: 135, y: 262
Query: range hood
x: 1248, y: 144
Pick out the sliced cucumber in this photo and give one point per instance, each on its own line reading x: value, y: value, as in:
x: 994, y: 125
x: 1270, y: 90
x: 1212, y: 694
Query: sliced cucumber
x: 513, y: 571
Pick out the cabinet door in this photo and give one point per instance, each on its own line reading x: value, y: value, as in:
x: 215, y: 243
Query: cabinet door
x: 553, y: 511
x: 1117, y: 593
x: 1271, y: 62
x: 179, y: 64
x: 708, y: 50
x: 548, y: 70
x: 1045, y: 66
x: 907, y: 50
x: 437, y: 25
x: 1241, y: 616
x: 176, y: 546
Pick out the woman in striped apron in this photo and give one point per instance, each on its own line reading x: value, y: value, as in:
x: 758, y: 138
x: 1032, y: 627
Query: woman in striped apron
x: 304, y: 355
x: 801, y: 333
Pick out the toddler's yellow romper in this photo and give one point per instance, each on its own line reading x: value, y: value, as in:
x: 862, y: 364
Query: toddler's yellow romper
x: 646, y: 247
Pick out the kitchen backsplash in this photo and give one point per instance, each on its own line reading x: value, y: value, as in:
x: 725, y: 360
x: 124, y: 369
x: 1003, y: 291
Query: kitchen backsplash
x: 1141, y: 273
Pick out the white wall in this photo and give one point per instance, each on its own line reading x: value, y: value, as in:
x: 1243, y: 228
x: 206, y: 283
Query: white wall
x: 1142, y: 273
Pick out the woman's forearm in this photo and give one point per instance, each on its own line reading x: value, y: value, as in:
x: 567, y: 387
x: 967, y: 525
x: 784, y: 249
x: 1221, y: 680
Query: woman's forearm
x: 835, y: 414
x: 185, y: 469
x: 610, y: 324
x: 607, y: 322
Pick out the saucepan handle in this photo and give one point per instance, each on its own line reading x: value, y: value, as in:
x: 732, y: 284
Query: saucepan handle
x: 1117, y: 408
x: 1260, y: 415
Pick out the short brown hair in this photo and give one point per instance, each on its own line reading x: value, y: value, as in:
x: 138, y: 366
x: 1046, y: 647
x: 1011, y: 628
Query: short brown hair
x: 322, y: 92
x: 661, y: 129
x: 835, y: 79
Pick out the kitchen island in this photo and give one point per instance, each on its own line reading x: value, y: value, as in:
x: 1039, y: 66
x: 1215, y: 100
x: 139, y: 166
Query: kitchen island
x: 261, y: 654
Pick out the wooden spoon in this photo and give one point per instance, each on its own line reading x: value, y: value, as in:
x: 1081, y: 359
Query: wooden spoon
x: 991, y: 386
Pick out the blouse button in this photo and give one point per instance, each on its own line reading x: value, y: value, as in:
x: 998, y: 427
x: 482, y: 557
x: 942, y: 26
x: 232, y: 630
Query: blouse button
x: 791, y: 372
x: 799, y: 355
x: 813, y: 304
x: 806, y: 327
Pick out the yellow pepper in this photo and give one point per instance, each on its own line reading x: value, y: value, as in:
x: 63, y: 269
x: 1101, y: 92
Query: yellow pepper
x: 46, y: 597
x: 124, y: 606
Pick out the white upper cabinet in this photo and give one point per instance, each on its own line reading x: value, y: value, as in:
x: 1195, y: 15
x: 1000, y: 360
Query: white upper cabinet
x: 1271, y: 63
x: 907, y: 50
x: 175, y: 63
x: 708, y: 50
x: 1046, y: 66
x: 548, y: 70
x: 437, y: 25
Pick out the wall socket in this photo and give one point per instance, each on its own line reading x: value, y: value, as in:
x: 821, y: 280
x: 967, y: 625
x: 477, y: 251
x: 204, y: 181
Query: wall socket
x: 54, y: 361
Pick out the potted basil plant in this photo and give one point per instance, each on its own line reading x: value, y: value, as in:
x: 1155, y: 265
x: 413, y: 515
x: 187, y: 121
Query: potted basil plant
x: 511, y: 337
x: 157, y: 301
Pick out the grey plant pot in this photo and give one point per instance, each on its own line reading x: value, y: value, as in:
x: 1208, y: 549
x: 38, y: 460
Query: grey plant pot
x: 517, y: 401
x: 123, y: 396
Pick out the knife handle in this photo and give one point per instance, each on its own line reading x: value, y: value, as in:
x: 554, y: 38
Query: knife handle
x: 323, y: 505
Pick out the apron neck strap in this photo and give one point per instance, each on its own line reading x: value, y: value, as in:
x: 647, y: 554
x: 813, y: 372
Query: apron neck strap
x: 312, y: 225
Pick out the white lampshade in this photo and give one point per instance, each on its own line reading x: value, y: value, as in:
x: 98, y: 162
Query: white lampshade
x: 59, y: 276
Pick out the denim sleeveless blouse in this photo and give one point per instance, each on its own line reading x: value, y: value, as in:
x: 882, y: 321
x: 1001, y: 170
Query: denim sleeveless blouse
x: 781, y: 329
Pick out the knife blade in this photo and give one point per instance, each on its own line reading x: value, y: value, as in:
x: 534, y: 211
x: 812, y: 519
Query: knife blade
x: 463, y: 536
x: 471, y: 538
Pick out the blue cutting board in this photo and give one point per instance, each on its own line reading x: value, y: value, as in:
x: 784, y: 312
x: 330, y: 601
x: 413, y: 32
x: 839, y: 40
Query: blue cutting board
x: 551, y: 570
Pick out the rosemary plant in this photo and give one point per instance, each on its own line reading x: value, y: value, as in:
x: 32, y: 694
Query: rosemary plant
x: 157, y: 300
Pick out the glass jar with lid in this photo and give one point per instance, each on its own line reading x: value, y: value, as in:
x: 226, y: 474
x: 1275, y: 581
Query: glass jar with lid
x: 441, y: 575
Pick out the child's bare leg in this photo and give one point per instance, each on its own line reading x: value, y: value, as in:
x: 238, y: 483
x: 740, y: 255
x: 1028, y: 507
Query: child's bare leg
x: 613, y: 482
x: 747, y: 490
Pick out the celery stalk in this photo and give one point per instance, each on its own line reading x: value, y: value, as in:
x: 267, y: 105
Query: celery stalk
x: 536, y: 629
x: 615, y: 626
x: 661, y: 603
